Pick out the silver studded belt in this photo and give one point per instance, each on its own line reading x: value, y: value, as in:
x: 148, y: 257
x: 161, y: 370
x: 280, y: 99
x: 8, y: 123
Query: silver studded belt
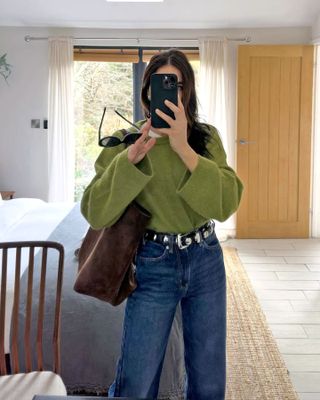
x: 182, y: 240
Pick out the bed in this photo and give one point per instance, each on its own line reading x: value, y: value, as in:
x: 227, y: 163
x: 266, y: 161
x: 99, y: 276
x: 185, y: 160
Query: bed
x: 90, y: 329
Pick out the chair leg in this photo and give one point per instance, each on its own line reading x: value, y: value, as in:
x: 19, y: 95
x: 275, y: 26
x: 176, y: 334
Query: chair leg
x: 8, y: 363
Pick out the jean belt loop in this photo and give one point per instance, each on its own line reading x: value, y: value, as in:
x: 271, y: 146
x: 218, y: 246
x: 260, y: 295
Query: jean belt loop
x: 170, y: 243
x: 213, y: 231
x: 198, y: 236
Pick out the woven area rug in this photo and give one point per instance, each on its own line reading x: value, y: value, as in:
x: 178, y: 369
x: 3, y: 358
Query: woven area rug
x: 255, y: 368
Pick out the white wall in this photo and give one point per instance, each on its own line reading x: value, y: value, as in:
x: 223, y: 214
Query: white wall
x: 316, y: 29
x: 23, y: 150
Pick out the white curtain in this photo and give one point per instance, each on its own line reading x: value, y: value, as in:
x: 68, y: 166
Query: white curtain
x: 61, y: 148
x: 315, y: 228
x: 217, y: 97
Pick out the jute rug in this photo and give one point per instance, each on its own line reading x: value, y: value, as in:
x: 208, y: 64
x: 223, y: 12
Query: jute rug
x: 255, y: 368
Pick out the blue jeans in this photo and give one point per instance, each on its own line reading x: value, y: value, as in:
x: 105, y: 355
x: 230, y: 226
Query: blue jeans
x: 194, y: 276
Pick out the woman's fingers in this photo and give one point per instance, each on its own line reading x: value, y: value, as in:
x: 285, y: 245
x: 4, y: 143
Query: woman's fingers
x: 149, y: 144
x: 164, y: 116
x: 142, y: 138
x: 144, y: 132
x: 146, y: 126
x: 172, y: 106
x: 141, y: 145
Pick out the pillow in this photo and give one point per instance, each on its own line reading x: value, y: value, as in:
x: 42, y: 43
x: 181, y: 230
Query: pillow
x: 1, y: 200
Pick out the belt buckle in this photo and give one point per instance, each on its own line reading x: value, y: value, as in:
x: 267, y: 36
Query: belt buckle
x: 180, y: 245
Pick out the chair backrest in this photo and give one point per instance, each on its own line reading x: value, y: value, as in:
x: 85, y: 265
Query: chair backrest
x: 30, y: 247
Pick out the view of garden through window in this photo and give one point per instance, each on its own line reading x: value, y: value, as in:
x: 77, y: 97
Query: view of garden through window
x: 99, y: 85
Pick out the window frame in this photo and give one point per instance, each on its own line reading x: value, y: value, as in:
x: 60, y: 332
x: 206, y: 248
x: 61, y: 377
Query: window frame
x: 137, y: 55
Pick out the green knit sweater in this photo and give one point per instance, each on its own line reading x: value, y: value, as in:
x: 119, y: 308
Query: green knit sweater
x: 178, y: 200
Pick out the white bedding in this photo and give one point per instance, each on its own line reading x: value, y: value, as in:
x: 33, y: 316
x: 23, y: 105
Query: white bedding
x: 30, y: 219
x: 26, y: 219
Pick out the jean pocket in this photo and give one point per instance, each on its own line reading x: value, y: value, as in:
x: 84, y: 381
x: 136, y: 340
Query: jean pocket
x: 212, y: 242
x: 152, y: 251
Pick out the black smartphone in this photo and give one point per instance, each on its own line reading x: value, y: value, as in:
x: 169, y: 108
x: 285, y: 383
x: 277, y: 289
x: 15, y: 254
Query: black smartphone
x: 163, y: 86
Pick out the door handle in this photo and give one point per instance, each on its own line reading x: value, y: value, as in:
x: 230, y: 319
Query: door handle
x: 243, y: 141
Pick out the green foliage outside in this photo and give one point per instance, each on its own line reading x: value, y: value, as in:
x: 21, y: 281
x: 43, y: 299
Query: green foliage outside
x: 98, y: 85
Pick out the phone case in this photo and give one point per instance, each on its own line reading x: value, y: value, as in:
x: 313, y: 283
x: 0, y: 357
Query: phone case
x: 163, y: 86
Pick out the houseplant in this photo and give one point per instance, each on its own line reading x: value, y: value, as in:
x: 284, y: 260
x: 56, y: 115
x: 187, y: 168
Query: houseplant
x: 5, y: 68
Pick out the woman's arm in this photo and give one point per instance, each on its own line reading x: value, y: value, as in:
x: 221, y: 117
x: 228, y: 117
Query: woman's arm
x: 212, y: 189
x: 116, y: 183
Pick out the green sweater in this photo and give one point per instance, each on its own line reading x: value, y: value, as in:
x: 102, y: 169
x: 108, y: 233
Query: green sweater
x: 178, y: 200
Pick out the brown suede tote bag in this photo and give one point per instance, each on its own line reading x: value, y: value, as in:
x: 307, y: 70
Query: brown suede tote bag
x: 106, y: 256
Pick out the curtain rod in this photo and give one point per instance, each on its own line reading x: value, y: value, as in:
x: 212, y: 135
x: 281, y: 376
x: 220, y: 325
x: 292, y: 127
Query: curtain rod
x: 28, y: 38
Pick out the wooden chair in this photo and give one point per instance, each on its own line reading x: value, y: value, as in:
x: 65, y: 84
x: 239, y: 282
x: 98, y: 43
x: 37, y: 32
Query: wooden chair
x: 17, y: 384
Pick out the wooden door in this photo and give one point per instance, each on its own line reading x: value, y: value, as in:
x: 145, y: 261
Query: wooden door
x: 274, y: 140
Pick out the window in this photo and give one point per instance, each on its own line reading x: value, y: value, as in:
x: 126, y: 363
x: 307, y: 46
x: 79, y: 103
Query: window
x: 104, y: 78
x: 97, y: 84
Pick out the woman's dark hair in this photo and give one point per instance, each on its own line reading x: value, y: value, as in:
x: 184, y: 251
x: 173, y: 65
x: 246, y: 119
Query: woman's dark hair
x: 198, y: 137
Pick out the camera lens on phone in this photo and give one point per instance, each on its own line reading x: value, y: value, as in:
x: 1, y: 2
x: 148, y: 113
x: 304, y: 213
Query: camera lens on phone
x: 169, y: 82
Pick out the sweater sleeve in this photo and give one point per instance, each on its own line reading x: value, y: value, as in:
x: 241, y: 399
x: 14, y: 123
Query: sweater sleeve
x: 117, y: 182
x: 212, y: 189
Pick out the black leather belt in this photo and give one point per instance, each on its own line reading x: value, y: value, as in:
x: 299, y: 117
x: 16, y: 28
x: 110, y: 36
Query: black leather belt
x: 182, y: 240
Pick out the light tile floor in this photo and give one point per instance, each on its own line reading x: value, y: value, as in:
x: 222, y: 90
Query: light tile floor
x: 285, y: 274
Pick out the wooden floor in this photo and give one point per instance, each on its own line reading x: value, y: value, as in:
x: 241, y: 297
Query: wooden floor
x: 285, y: 274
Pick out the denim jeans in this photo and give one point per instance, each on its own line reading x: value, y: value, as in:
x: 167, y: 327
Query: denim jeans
x: 194, y: 276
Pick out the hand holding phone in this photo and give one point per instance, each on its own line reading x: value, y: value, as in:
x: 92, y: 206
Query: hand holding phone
x: 163, y: 86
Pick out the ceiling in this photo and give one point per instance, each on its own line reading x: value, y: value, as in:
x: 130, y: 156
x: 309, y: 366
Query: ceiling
x: 171, y: 14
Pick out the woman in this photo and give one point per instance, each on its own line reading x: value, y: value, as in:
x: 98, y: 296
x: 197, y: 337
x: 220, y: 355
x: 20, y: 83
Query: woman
x: 183, y: 179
